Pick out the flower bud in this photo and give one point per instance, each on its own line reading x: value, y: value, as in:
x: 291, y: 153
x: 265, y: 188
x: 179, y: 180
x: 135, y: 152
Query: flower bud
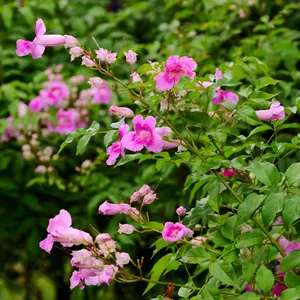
x: 131, y: 57
x: 135, y: 197
x: 121, y: 111
x: 126, y: 228
x: 70, y: 41
x: 40, y: 169
x: 87, y: 62
x: 180, y: 211
x: 135, y: 77
x: 75, y: 52
x: 149, y: 198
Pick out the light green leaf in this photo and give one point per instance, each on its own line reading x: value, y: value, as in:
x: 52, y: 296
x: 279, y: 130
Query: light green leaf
x: 196, y: 256
x: 259, y: 96
x: 211, y: 292
x: 271, y: 207
x: 265, y: 81
x: 248, y: 115
x: 110, y: 137
x: 260, y: 129
x: 248, y: 296
x: 224, y: 272
x: 291, y: 261
x: 71, y: 137
x: 291, y: 210
x: 291, y: 294
x: 292, y: 174
x: 250, y: 238
x: 264, y: 279
x: 291, y: 280
x: 267, y: 173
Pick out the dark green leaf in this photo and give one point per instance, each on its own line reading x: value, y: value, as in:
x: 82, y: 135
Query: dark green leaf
x: 250, y: 238
x: 291, y: 261
x: 271, y: 207
x: 224, y: 272
x: 267, y: 173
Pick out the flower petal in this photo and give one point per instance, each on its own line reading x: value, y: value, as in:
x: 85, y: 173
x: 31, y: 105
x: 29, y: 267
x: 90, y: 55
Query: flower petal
x: 40, y: 27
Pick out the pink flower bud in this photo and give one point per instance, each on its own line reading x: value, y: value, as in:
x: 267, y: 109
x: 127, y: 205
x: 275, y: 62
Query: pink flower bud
x: 198, y: 241
x: 40, y: 169
x: 96, y: 82
x: 121, y: 111
x: 102, y: 54
x: 180, y: 211
x: 122, y: 258
x: 87, y: 62
x: 135, y: 197
x: 70, y: 41
x: 228, y: 173
x: 86, y: 164
x: 126, y: 228
x: 131, y: 57
x: 75, y: 52
x: 276, y: 112
x: 145, y: 189
x: 111, y: 57
x: 149, y: 198
x: 174, y: 232
x: 103, y: 238
x: 110, y: 209
x: 135, y: 77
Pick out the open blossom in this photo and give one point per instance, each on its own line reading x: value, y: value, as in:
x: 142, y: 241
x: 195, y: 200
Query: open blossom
x: 117, y: 149
x: 122, y: 259
x: 144, y: 134
x: 221, y: 95
x: 75, y: 52
x: 131, y: 57
x: 68, y: 121
x: 101, y: 95
x: 174, y: 232
x: 276, y: 112
x: 93, y: 276
x: 126, y: 228
x: 37, y: 47
x: 135, y: 77
x: 110, y: 209
x: 175, y: 69
x: 56, y: 91
x: 121, y: 111
x: 60, y: 230
x: 39, y: 103
x: 40, y: 169
x: 228, y: 173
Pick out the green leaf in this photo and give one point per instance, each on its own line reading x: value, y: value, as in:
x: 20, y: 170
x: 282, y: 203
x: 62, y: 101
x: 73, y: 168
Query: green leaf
x: 292, y: 174
x: 249, y: 269
x: 116, y: 125
x: 211, y: 292
x: 248, y: 296
x: 291, y: 280
x: 82, y: 143
x: 259, y: 96
x: 7, y: 15
x: 260, y: 129
x: 250, y: 238
x: 291, y: 210
x: 291, y: 294
x: 128, y: 158
x: 248, y: 115
x: 196, y: 256
x: 248, y: 207
x: 110, y: 137
x: 71, y: 137
x: 265, y: 81
x: 214, y: 192
x: 267, y: 173
x: 154, y: 225
x: 157, y: 270
x: 264, y: 279
x: 228, y: 229
x: 224, y: 272
x: 290, y: 262
x: 271, y: 207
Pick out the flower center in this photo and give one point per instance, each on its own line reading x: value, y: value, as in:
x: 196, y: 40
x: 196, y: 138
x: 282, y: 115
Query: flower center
x: 144, y: 135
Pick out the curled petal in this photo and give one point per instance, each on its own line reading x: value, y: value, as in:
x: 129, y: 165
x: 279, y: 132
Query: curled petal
x: 40, y: 27
x: 162, y: 83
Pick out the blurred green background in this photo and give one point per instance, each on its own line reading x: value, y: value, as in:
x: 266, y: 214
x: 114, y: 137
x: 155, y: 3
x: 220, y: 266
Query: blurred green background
x: 213, y: 32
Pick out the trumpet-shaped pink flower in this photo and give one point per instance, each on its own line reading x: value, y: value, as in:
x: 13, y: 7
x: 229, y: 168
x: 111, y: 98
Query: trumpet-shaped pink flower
x: 278, y: 289
x: 174, y: 232
x: 292, y: 246
x: 110, y: 209
x: 221, y: 95
x: 175, y: 69
x: 37, y: 47
x: 60, y: 230
x: 276, y: 112
x: 117, y: 149
x: 144, y: 134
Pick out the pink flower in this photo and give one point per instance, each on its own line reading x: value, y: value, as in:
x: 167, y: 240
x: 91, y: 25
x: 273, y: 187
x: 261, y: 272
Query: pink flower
x: 101, y: 95
x: 10, y: 133
x: 149, y: 198
x: 96, y: 82
x: 122, y: 259
x: 221, y: 95
x: 145, y: 189
x: 130, y: 57
x: 144, y: 135
x: 117, y: 148
x: 135, y: 77
x: 135, y: 196
x: 110, y: 209
x: 121, y: 111
x: 40, y: 169
x: 76, y: 52
x: 71, y: 41
x: 276, y: 112
x: 180, y: 211
x: 56, y: 91
x: 111, y: 57
x: 106, y: 56
x: 164, y: 132
x: 278, y: 289
x: 68, y: 121
x: 103, y: 238
x: 37, y: 47
x: 84, y: 259
x: 60, y: 230
x: 174, y: 232
x: 126, y: 228
x: 77, y: 79
x: 22, y: 109
x: 283, y: 243
x: 38, y: 104
x: 228, y: 173
x: 87, y: 62
x: 175, y: 69
x: 291, y: 247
